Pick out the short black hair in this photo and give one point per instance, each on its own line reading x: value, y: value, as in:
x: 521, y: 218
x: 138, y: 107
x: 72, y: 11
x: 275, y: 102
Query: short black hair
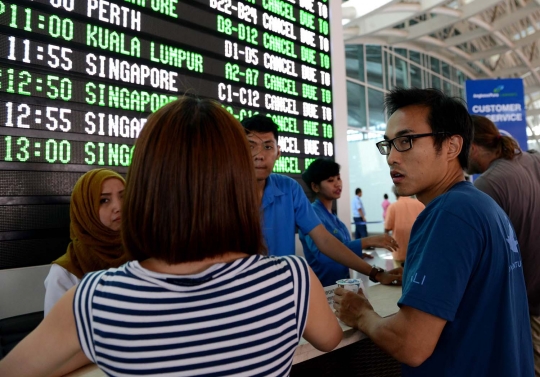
x: 386, y: 196
x: 320, y: 170
x: 260, y: 123
x: 357, y: 191
x: 446, y: 114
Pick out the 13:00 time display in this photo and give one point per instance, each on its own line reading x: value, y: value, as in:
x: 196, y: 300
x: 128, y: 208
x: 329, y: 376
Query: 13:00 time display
x: 53, y: 151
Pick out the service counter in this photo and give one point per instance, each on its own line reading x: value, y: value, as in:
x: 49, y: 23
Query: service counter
x: 354, y: 356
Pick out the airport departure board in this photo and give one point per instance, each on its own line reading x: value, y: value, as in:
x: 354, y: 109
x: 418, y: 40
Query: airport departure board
x: 78, y: 79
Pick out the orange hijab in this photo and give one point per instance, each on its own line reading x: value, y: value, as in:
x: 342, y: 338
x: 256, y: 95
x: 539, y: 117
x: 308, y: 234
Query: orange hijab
x: 93, y: 246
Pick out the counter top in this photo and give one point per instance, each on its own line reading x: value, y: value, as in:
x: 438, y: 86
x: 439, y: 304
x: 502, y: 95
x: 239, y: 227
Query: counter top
x: 384, y: 300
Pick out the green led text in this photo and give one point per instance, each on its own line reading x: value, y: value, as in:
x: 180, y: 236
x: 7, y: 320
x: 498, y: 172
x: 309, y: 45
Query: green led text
x: 278, y: 44
x: 280, y: 84
x: 176, y: 57
x: 307, y: 55
x: 287, y: 165
x: 307, y: 19
x: 100, y: 37
x: 279, y: 7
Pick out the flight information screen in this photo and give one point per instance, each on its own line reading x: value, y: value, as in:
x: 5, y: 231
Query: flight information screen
x: 78, y: 79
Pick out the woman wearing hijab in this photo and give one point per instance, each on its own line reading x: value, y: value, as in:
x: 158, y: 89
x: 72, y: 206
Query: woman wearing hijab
x: 95, y: 213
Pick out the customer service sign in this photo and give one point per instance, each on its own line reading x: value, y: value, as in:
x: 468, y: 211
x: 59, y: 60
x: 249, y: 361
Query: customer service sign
x: 502, y: 101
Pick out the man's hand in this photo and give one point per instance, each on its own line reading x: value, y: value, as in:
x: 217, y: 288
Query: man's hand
x: 392, y: 277
x: 384, y: 241
x: 350, y: 306
x: 396, y: 271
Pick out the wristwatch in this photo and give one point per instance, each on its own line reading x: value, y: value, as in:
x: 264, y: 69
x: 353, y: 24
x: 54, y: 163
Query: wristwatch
x: 373, y: 273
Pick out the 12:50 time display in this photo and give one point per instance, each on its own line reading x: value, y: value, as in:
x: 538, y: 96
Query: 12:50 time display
x: 55, y: 86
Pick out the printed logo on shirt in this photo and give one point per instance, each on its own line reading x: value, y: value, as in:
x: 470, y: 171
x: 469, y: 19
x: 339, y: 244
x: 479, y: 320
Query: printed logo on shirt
x: 418, y: 279
x: 512, y: 242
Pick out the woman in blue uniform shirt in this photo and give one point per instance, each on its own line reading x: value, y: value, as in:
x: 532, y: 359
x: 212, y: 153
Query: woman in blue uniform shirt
x: 323, y: 178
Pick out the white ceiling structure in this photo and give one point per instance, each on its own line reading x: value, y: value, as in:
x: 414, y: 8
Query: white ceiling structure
x: 482, y: 38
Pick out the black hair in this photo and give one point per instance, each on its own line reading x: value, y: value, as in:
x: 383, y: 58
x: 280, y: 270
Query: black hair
x: 320, y: 170
x: 357, y: 191
x: 446, y: 114
x: 260, y: 123
x: 386, y: 196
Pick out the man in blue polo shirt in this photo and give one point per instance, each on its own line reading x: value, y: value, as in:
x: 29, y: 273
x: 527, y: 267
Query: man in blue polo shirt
x: 285, y: 206
x: 464, y: 310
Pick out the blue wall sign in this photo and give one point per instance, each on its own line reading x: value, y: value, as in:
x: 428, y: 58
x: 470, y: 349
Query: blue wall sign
x: 502, y: 101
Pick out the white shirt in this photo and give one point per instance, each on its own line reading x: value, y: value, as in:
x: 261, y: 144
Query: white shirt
x: 58, y: 282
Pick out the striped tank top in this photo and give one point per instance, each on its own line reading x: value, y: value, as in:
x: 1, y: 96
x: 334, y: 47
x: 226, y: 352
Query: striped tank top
x: 243, y: 318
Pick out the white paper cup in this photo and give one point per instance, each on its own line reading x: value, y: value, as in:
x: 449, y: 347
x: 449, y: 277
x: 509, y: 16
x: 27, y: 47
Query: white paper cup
x: 350, y: 284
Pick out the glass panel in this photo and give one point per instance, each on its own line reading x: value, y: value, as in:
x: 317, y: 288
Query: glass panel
x: 445, y: 69
x: 389, y: 71
x: 436, y: 82
x: 415, y: 56
x: 402, y: 73
x: 460, y: 77
x: 435, y: 67
x: 354, y: 61
x: 416, y: 76
x: 376, y: 110
x: 356, y: 105
x: 447, y: 88
x: 401, y: 51
x: 374, y: 65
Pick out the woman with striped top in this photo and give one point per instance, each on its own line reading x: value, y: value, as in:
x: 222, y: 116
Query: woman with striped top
x: 200, y: 298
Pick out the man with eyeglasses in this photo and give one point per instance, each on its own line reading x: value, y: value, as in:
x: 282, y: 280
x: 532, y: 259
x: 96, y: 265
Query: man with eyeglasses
x: 285, y: 206
x: 463, y: 311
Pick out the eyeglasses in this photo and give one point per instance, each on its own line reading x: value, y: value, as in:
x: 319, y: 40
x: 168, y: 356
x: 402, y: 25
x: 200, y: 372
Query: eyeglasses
x: 402, y: 143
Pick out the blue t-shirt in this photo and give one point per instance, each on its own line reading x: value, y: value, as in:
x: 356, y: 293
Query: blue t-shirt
x: 285, y: 207
x: 463, y: 265
x: 327, y: 270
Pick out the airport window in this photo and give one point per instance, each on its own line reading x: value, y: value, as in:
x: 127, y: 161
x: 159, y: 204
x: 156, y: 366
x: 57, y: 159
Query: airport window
x: 436, y: 82
x: 356, y: 105
x: 435, y: 67
x: 376, y: 110
x: 445, y: 70
x: 416, y: 76
x: 382, y: 68
x: 374, y: 66
x: 354, y: 61
x: 415, y: 56
x: 401, y: 51
x: 402, y: 73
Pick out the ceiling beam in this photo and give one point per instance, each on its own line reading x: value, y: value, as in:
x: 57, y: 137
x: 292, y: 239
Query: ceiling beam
x: 440, y: 22
x: 392, y: 16
x: 532, y: 89
x: 465, y: 37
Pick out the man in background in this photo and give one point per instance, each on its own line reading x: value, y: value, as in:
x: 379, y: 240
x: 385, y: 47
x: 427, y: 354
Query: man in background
x: 399, y: 220
x: 359, y: 215
x: 284, y: 206
x: 512, y: 179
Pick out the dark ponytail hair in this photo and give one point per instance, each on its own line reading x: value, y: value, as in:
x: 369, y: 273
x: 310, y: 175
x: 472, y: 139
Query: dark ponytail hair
x: 487, y: 135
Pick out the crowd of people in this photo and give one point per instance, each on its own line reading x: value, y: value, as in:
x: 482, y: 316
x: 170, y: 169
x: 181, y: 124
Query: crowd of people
x: 161, y: 278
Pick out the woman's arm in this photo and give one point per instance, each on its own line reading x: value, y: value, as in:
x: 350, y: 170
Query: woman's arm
x: 322, y: 328
x: 49, y: 347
